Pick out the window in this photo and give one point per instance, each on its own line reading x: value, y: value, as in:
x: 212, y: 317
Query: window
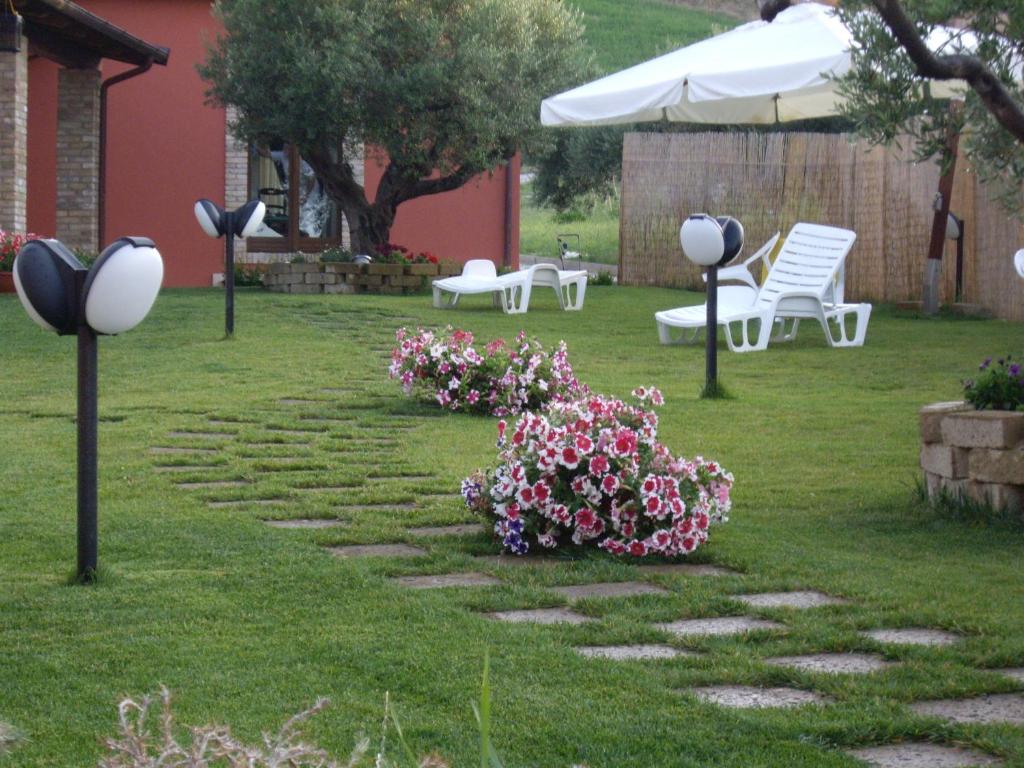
x: 300, y: 215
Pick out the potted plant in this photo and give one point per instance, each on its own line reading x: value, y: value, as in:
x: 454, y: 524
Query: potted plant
x: 10, y: 244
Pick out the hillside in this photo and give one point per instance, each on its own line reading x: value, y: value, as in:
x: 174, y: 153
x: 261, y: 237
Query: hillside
x: 625, y: 32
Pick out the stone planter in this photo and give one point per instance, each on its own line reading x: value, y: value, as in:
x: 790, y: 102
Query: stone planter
x: 6, y: 282
x: 978, y: 455
x: 336, y: 277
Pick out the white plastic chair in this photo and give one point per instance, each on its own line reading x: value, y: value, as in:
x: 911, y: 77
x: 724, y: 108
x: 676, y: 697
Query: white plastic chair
x: 741, y: 272
x: 512, y: 291
x: 1018, y: 262
x: 799, y: 286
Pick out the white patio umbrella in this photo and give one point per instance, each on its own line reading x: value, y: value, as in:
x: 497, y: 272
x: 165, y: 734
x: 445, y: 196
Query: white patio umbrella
x: 756, y: 73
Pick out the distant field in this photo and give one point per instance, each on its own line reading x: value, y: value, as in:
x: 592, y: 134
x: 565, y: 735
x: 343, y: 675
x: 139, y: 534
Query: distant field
x: 599, y: 233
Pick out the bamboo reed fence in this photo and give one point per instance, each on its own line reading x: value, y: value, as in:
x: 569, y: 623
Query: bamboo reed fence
x: 771, y: 181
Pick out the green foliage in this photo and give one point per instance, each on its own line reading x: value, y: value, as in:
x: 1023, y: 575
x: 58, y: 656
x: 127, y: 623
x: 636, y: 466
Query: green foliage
x: 998, y: 387
x: 598, y: 231
x: 446, y: 86
x: 886, y: 97
x: 604, y: 277
x: 247, y: 275
x: 337, y: 254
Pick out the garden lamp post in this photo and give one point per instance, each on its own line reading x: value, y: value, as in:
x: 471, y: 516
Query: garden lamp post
x: 711, y: 242
x: 243, y: 223
x: 62, y: 295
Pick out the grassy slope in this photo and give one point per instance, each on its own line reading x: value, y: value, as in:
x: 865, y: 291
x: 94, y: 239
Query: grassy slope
x: 620, y: 34
x: 247, y: 623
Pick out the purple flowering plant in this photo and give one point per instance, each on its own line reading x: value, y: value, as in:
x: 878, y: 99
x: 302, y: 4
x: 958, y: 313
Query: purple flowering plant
x: 999, y: 386
x: 499, y: 378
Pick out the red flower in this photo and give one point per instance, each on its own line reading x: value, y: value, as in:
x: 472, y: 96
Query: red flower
x: 585, y: 518
x: 637, y: 548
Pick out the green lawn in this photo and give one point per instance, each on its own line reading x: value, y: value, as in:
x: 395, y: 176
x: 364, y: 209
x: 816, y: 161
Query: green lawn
x: 599, y: 232
x: 246, y: 623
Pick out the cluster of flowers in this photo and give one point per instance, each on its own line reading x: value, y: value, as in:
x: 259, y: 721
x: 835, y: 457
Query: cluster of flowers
x: 10, y: 244
x: 500, y: 379
x: 592, y: 471
x: 998, y: 387
x: 399, y: 254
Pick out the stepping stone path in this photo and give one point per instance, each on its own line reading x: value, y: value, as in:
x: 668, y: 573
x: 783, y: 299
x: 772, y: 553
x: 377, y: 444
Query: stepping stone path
x: 922, y: 755
x: 833, y: 663
x: 447, y: 530
x: 689, y: 569
x: 723, y: 625
x: 1016, y: 674
x: 377, y: 506
x: 306, y: 523
x: 171, y: 450
x: 995, y: 708
x: 612, y: 589
x: 518, y: 560
x: 185, y: 467
x: 748, y: 697
x: 804, y: 599
x: 300, y: 401
x: 212, y: 484
x: 541, y: 616
x: 377, y: 550
x: 469, y: 579
x: 245, y: 503
x: 631, y: 652
x: 912, y: 636
x: 203, y: 435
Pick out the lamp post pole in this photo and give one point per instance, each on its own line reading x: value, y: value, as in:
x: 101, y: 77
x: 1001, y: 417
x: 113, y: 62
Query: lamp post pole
x: 88, y: 527
x: 711, y: 348
x: 229, y: 274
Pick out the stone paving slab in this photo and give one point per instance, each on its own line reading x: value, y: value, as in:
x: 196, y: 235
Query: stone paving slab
x: 749, y: 697
x: 922, y: 755
x: 912, y: 636
x: 203, y: 435
x: 541, y: 616
x: 798, y: 599
x: 689, y: 569
x: 245, y: 503
x: 722, y: 625
x: 610, y: 589
x: 631, y: 652
x: 1016, y: 674
x: 171, y: 450
x: 442, y: 580
x: 306, y: 523
x: 377, y: 550
x: 290, y: 431
x: 447, y: 530
x: 833, y: 663
x: 383, y: 477
x: 994, y: 708
x: 289, y: 444
x: 227, y: 423
x: 186, y: 467
x: 300, y: 401
x: 212, y: 484
x: 325, y: 488
x: 376, y: 506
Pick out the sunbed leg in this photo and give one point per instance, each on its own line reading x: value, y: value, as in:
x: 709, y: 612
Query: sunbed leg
x: 686, y: 335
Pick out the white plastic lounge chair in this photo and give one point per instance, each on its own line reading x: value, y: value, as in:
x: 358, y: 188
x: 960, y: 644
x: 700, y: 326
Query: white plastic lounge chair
x: 741, y: 272
x: 512, y: 291
x: 1018, y: 262
x: 798, y: 287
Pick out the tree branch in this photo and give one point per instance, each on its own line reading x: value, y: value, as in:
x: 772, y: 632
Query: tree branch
x: 983, y: 81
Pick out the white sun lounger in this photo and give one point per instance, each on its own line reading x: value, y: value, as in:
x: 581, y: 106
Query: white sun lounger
x: 512, y: 291
x: 799, y: 286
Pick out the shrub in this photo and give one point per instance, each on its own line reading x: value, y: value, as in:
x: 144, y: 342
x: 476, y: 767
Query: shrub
x: 389, y: 253
x: 997, y: 387
x: 501, y: 379
x: 10, y: 244
x: 604, y: 277
x: 247, y: 275
x: 336, y: 254
x: 592, y: 472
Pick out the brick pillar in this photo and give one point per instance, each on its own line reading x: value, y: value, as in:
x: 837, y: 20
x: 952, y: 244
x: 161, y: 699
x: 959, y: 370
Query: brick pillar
x: 236, y: 176
x: 78, y: 158
x: 14, y: 138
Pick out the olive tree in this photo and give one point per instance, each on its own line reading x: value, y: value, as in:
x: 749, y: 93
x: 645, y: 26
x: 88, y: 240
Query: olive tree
x: 442, y: 90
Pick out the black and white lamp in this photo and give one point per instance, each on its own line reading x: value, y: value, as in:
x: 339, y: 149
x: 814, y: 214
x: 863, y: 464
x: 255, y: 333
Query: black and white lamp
x: 711, y: 242
x: 62, y: 295
x: 242, y: 223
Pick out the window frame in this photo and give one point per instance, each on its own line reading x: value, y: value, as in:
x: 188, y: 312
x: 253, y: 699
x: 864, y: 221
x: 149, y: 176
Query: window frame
x: 293, y: 242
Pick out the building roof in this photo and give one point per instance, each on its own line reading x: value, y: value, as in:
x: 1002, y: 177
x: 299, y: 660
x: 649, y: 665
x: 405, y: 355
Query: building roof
x: 72, y: 36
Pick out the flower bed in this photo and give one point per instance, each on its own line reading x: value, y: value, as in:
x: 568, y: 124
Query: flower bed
x: 591, y: 472
x: 500, y: 380
x: 10, y: 244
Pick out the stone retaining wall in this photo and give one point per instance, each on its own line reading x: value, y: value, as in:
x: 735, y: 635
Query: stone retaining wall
x: 354, y: 278
x: 978, y: 455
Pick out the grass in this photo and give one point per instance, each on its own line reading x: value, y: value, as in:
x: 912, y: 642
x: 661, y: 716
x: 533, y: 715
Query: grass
x: 248, y: 624
x: 599, y: 232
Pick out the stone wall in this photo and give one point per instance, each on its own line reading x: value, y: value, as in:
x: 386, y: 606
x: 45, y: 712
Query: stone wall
x: 977, y: 455
x: 354, y: 278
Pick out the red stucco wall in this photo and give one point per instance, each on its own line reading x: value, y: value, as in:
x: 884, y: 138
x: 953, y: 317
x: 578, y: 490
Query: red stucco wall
x: 166, y: 149
x: 42, y: 136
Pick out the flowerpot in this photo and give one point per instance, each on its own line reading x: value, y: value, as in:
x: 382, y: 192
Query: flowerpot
x: 6, y: 282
